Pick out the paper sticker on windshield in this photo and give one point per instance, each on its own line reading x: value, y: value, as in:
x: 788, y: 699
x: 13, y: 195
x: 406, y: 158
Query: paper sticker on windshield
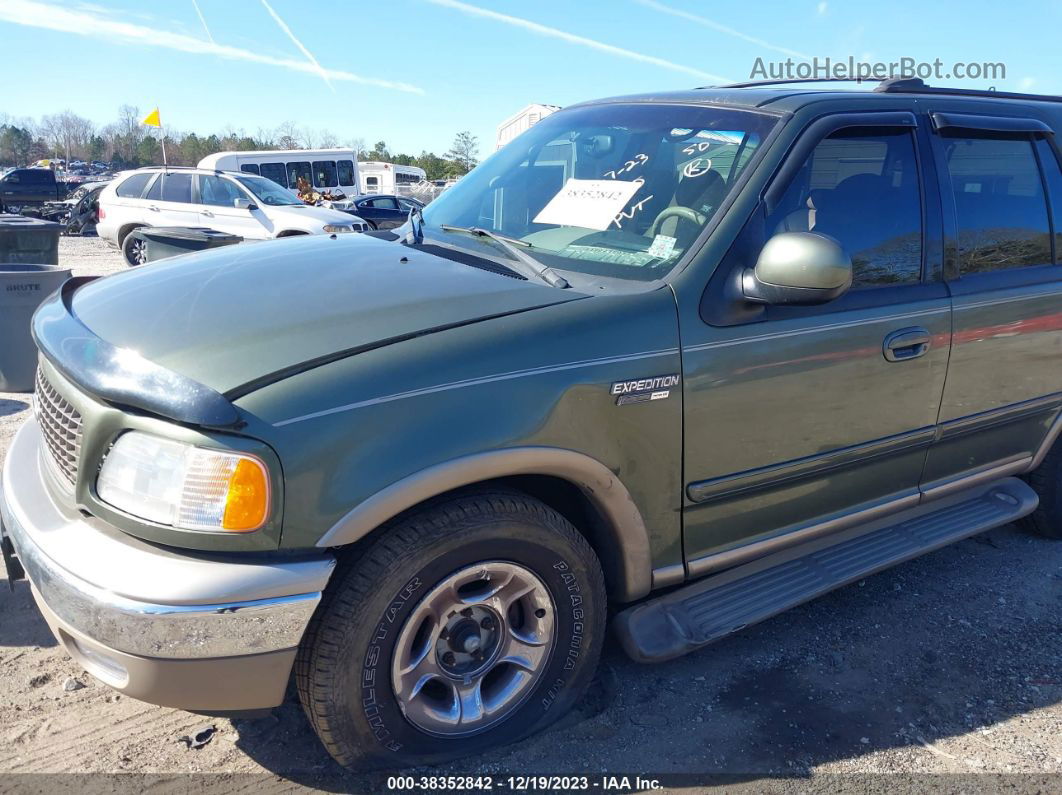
x: 662, y: 246
x: 589, y: 203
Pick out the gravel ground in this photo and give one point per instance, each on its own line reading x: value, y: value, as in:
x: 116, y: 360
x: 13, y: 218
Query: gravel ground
x: 942, y: 674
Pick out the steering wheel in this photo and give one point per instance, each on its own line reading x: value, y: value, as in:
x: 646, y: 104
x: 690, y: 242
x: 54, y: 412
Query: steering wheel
x: 682, y: 212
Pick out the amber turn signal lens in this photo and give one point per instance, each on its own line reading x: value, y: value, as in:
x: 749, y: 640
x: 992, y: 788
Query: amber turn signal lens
x: 247, y: 503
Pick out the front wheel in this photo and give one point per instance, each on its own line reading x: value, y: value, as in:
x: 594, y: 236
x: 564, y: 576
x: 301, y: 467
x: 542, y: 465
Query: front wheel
x: 468, y: 625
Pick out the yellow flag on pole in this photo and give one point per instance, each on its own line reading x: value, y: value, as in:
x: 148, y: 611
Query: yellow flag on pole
x: 153, y: 119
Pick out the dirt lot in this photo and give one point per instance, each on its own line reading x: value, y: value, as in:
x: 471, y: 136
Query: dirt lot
x: 949, y: 665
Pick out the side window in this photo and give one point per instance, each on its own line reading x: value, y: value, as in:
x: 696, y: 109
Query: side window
x: 218, y: 191
x: 297, y: 171
x: 860, y: 186
x: 346, y: 171
x: 275, y: 172
x: 1053, y: 177
x: 372, y: 184
x: 385, y: 204
x: 177, y: 188
x: 249, y: 168
x: 132, y: 187
x: 324, y: 174
x: 999, y: 202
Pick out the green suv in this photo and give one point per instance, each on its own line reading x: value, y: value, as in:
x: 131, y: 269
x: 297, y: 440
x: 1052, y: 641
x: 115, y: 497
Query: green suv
x: 683, y: 359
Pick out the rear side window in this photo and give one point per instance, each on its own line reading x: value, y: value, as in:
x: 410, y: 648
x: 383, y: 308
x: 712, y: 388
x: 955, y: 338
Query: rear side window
x: 171, y: 188
x: 324, y: 174
x: 346, y: 171
x: 999, y: 202
x: 860, y: 185
x: 297, y: 171
x: 275, y: 172
x: 1053, y: 177
x: 384, y: 204
x: 132, y: 187
x: 250, y: 168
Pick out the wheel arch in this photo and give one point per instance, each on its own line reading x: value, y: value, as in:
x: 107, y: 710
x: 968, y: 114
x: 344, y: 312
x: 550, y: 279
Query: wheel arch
x: 577, y: 486
x: 125, y: 229
x: 291, y: 233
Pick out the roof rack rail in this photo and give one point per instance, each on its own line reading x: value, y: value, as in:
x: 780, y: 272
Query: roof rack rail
x: 898, y: 85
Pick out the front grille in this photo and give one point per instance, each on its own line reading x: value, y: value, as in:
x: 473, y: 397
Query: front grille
x: 60, y: 427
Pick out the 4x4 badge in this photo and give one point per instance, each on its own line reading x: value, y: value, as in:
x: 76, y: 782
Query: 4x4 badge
x: 644, y: 389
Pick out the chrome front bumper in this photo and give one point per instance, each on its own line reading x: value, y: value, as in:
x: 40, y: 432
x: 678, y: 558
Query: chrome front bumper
x: 114, y: 593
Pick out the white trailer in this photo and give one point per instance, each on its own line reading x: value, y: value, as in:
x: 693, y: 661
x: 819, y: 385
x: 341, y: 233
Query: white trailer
x: 390, y: 178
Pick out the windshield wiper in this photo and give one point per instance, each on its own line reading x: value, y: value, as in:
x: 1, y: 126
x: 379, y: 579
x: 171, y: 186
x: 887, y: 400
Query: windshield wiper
x: 529, y: 265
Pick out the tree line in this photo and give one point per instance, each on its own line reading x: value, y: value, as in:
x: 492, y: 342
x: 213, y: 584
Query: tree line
x: 126, y: 143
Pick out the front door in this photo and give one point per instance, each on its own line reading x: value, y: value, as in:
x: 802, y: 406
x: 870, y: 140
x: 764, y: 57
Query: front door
x: 807, y: 418
x: 218, y: 211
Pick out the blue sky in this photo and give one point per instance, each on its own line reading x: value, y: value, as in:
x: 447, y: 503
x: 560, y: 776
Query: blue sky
x: 415, y: 72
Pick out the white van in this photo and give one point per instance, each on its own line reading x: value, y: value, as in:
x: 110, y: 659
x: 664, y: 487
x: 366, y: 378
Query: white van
x: 326, y: 169
x: 389, y: 178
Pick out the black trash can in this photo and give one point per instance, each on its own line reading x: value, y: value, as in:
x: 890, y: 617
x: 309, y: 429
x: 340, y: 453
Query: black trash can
x: 23, y: 287
x: 162, y: 242
x: 29, y: 240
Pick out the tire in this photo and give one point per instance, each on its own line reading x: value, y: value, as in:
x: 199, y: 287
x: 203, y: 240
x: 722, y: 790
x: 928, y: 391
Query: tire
x: 1046, y: 481
x: 372, y: 619
x: 133, y: 250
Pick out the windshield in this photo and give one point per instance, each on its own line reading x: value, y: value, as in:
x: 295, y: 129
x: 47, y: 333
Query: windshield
x: 267, y: 191
x: 611, y: 190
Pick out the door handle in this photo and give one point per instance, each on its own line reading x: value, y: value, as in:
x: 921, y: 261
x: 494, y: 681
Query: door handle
x: 153, y: 208
x: 207, y: 213
x: 906, y: 343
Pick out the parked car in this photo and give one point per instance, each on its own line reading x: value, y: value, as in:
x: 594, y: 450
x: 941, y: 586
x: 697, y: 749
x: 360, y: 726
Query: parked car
x: 247, y: 205
x: 29, y: 187
x: 79, y: 212
x: 689, y: 359
x: 384, y: 212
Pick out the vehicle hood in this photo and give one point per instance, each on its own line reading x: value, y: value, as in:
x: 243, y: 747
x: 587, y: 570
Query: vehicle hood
x: 241, y: 315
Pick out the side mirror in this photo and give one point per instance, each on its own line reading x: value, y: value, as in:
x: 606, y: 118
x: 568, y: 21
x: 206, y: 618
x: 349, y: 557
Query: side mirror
x: 244, y: 204
x: 798, y: 268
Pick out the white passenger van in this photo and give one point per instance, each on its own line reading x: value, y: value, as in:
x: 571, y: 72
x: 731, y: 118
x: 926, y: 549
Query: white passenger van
x: 325, y: 169
x: 389, y: 178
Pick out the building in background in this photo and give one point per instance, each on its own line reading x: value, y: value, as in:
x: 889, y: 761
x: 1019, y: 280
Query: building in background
x: 521, y: 121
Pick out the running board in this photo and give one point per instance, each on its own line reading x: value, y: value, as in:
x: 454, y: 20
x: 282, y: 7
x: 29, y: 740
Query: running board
x: 716, y: 606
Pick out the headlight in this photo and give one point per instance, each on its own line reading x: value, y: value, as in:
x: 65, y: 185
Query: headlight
x: 180, y: 485
x: 338, y: 229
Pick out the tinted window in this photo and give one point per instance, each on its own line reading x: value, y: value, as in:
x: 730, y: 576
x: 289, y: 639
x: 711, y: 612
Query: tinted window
x: 346, y: 171
x: 1053, y: 176
x: 132, y: 188
x: 324, y: 174
x: 860, y: 186
x: 249, y: 168
x: 999, y: 203
x: 384, y: 204
x: 218, y: 191
x: 296, y: 171
x: 275, y: 172
x: 176, y: 188
x: 38, y: 176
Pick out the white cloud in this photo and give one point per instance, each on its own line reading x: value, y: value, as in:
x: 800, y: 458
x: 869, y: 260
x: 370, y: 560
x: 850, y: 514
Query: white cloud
x: 711, y: 23
x: 30, y: 13
x: 822, y: 8
x: 294, y: 40
x: 202, y: 19
x: 571, y: 38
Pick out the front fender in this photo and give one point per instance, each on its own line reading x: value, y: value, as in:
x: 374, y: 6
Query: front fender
x: 632, y: 558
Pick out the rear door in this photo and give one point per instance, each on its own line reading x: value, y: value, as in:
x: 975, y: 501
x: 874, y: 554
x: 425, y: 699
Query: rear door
x: 1002, y: 190
x: 799, y: 420
x: 168, y: 201
x: 386, y: 212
